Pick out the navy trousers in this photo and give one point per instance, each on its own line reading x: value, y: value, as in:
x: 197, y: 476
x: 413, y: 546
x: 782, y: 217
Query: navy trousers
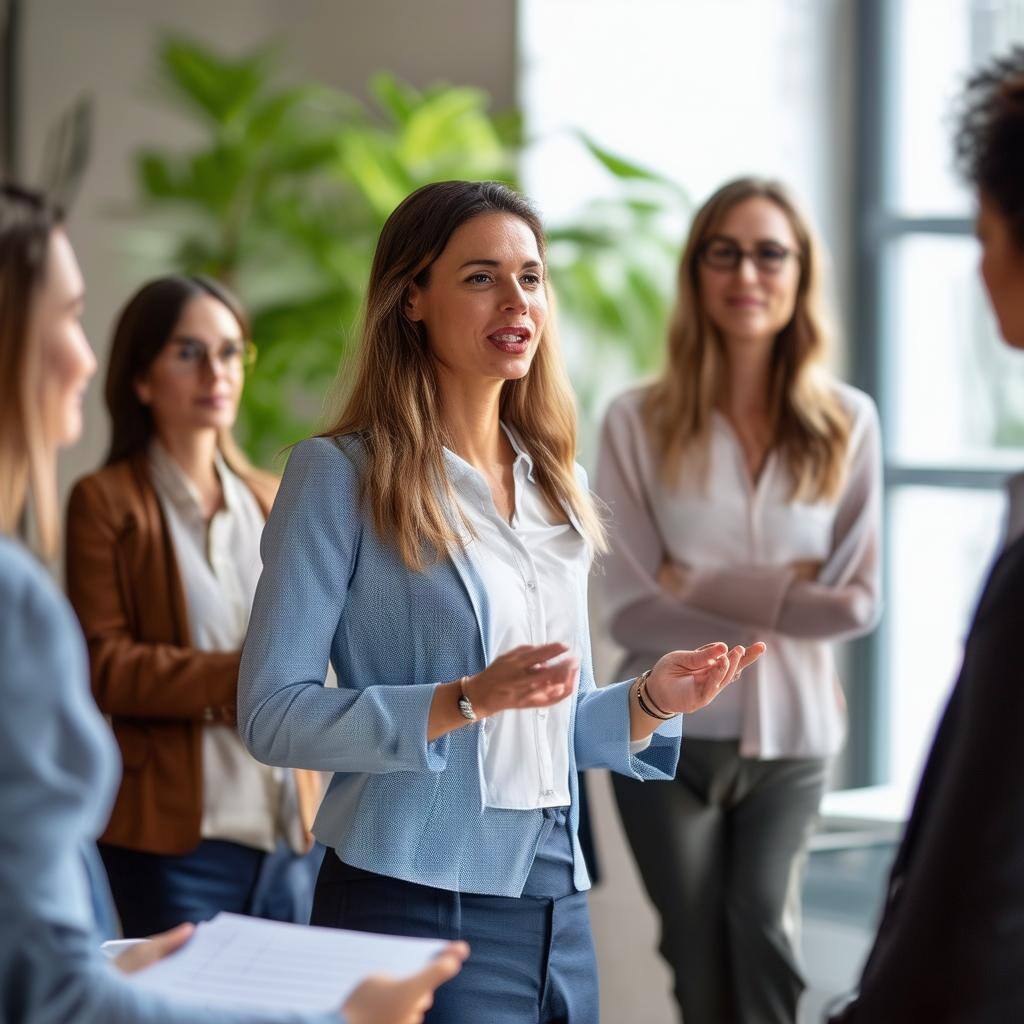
x: 532, y: 958
x: 154, y: 892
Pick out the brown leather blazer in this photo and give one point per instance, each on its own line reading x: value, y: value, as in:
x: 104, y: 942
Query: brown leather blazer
x: 158, y: 691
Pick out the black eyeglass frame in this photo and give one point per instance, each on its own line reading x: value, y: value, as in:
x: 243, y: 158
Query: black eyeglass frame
x: 783, y: 253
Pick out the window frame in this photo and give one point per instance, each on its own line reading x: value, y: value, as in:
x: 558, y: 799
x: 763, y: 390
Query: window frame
x: 878, y: 227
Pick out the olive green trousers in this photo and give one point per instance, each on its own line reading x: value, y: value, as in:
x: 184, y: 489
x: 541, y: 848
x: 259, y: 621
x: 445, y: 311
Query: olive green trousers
x: 721, y: 851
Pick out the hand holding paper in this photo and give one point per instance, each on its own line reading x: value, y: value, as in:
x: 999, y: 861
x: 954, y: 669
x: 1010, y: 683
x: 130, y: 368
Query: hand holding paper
x: 386, y: 1001
x: 242, y: 962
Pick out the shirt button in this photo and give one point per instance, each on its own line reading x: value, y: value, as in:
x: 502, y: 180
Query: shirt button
x: 548, y: 792
x: 542, y: 715
x: 531, y: 585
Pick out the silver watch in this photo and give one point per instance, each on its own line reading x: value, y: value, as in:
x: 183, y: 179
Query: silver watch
x: 465, y: 704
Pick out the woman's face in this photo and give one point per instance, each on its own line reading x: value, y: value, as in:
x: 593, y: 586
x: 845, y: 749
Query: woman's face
x: 1002, y: 269
x: 67, y: 361
x: 484, y: 305
x: 755, y: 299
x: 195, y: 383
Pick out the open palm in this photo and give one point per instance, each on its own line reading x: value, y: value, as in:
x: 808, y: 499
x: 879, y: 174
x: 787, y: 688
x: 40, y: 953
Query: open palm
x: 685, y: 681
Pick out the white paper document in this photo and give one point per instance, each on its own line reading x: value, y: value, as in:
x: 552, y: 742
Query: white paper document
x: 243, y: 962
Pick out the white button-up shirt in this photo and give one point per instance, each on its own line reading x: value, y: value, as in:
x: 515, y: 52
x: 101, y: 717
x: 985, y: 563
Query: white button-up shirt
x: 738, y: 540
x: 219, y: 563
x: 531, y: 569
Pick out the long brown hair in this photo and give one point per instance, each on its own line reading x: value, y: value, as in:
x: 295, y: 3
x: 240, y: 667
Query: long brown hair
x: 27, y: 462
x: 811, y: 427
x: 143, y: 328
x: 393, y: 400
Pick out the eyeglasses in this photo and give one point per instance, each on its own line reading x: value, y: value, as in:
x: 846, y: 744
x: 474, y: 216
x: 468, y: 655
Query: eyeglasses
x: 725, y: 254
x: 190, y: 355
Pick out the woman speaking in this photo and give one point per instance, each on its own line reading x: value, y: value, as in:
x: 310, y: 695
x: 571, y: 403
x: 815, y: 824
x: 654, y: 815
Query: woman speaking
x: 434, y: 546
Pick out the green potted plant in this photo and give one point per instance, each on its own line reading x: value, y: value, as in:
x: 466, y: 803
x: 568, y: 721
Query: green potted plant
x: 286, y: 194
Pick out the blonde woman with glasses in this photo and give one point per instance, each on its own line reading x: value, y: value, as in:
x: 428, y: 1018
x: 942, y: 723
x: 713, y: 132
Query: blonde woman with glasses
x: 744, y: 490
x: 162, y: 563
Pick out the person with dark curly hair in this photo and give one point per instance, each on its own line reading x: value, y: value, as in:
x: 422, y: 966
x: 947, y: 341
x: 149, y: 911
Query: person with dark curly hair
x: 950, y: 946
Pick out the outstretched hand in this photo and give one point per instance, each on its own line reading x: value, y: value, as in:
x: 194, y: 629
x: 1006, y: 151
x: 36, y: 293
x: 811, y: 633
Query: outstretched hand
x: 528, y: 676
x: 686, y: 681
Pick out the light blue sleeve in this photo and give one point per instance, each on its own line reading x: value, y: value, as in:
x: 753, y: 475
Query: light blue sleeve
x: 602, y: 736
x: 56, y: 780
x: 286, y: 716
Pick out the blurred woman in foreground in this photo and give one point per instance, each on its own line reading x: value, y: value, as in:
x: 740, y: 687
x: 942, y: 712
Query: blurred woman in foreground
x: 58, y: 762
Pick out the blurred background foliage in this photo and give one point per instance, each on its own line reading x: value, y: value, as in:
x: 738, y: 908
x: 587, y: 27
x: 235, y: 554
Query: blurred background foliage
x: 289, y: 184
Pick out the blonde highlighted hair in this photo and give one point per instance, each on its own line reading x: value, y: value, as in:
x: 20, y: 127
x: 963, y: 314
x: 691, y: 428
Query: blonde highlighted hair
x: 28, y: 470
x: 393, y: 400
x: 811, y: 429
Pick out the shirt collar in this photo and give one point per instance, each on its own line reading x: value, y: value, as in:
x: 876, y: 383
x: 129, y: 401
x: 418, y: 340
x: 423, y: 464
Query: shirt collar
x: 459, y: 470
x: 523, y: 457
x: 176, y: 486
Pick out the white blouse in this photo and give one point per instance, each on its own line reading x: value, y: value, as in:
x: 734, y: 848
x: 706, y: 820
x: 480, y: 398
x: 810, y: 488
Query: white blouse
x: 531, y: 570
x: 243, y: 801
x: 739, y: 540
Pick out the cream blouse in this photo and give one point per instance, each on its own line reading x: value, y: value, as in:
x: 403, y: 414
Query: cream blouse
x: 738, y: 540
x: 243, y: 801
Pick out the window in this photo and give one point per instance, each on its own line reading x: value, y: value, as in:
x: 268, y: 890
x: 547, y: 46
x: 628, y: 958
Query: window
x: 951, y: 395
x: 681, y: 91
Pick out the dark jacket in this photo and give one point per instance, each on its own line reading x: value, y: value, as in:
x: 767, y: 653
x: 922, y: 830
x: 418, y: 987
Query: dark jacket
x: 950, y: 946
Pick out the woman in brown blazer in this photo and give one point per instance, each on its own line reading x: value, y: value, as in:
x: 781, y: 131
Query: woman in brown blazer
x: 162, y: 561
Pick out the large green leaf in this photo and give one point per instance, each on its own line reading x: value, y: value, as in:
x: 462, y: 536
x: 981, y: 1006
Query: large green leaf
x: 371, y: 165
x: 395, y: 97
x: 452, y: 120
x: 216, y: 86
x: 623, y: 168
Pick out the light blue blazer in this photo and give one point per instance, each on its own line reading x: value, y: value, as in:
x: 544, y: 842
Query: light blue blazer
x: 333, y: 590
x: 58, y: 775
